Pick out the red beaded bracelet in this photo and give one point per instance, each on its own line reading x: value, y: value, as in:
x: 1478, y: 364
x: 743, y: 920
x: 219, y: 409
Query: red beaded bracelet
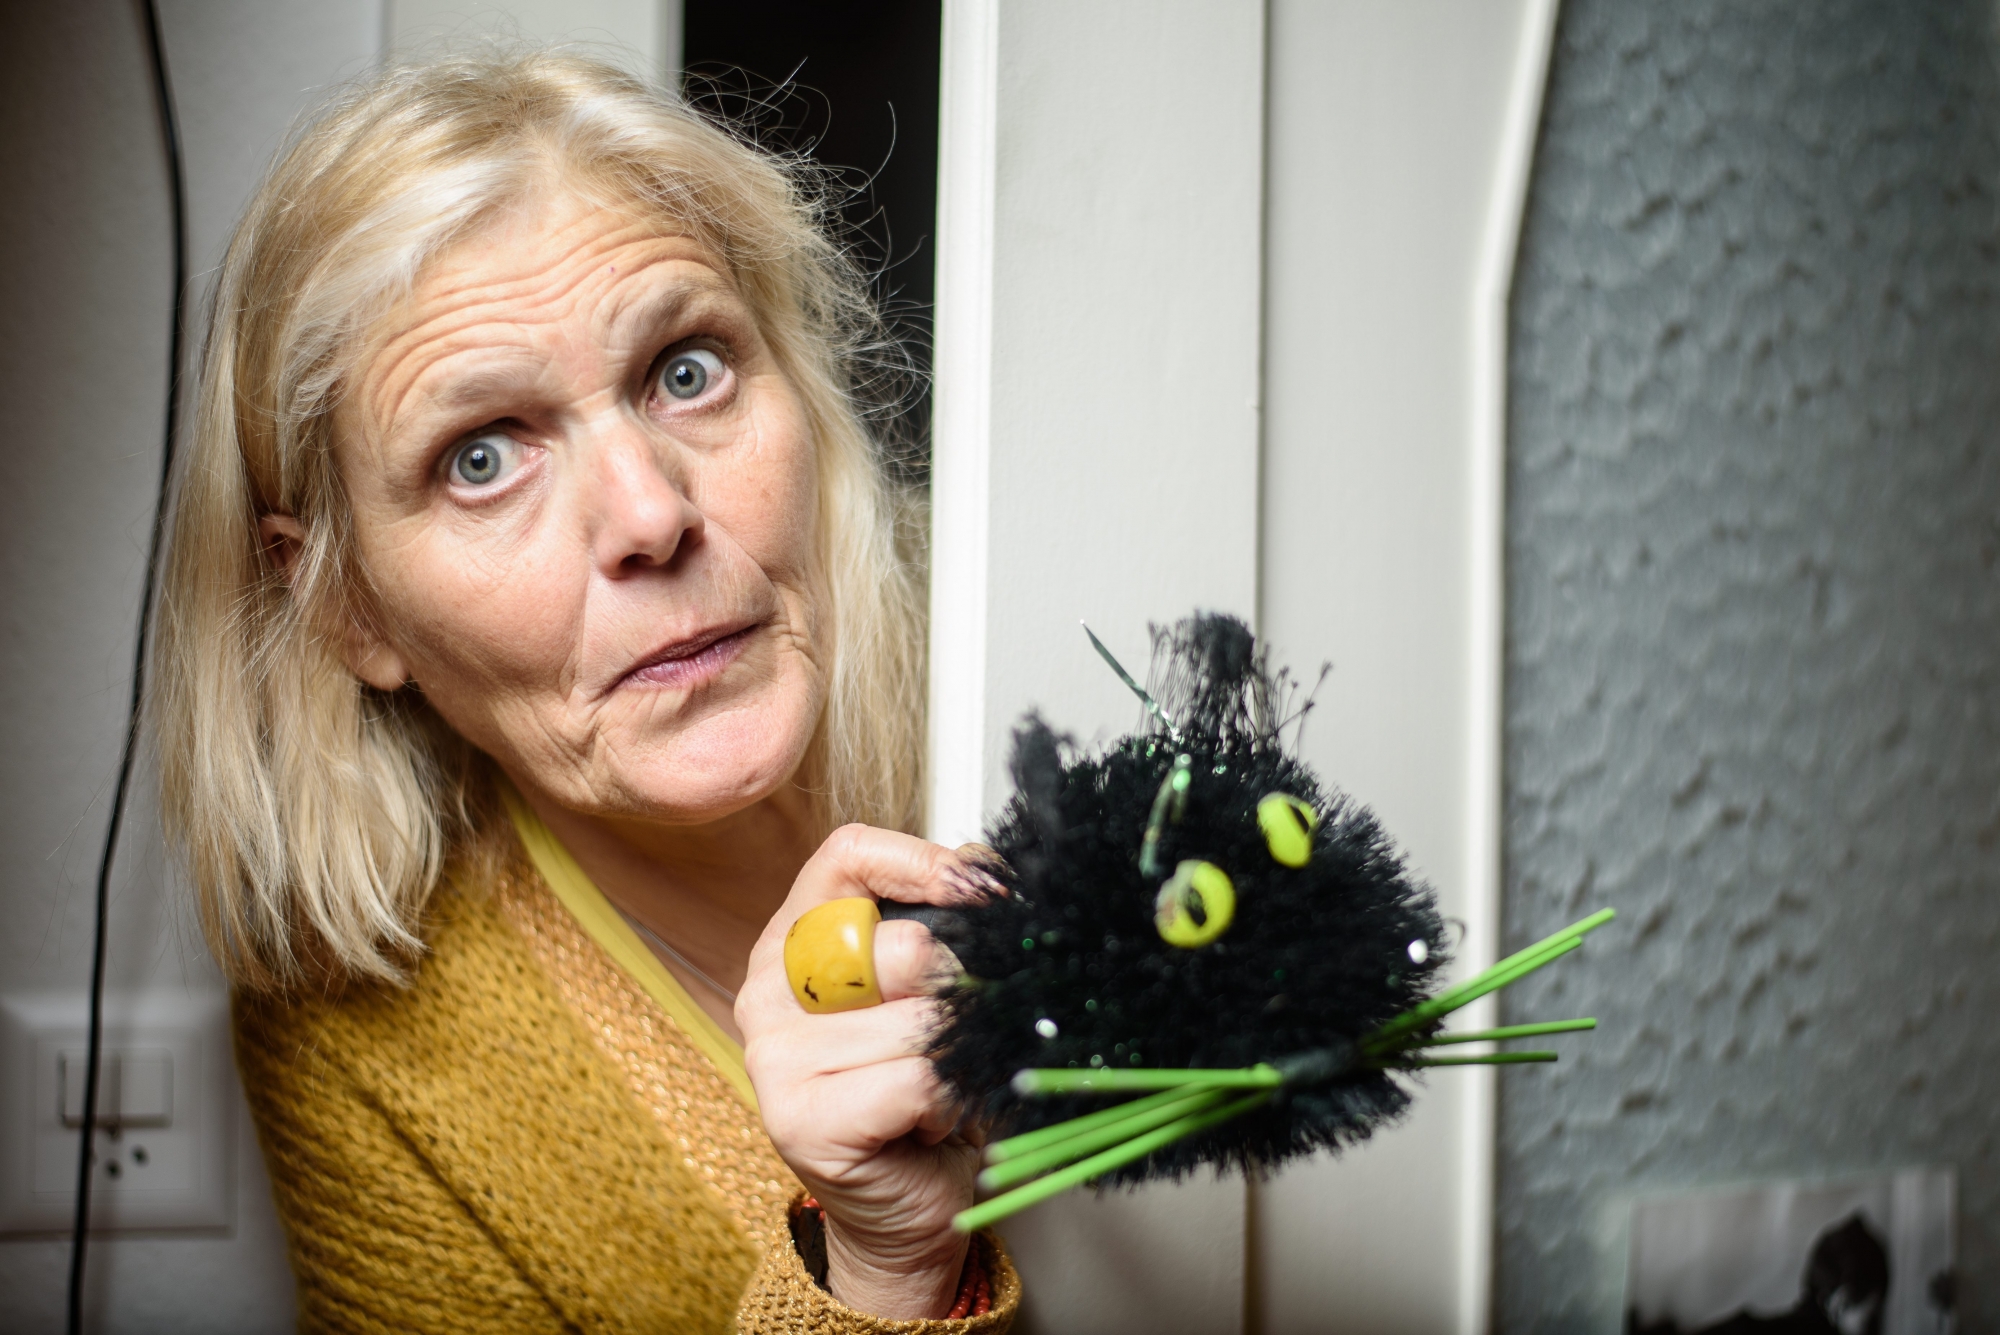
x: 975, y: 1292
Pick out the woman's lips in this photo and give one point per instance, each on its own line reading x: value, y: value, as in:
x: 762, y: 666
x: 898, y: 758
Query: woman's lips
x: 692, y: 662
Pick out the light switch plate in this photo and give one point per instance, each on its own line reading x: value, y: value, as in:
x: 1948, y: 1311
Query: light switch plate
x: 136, y: 1089
x: 172, y: 1171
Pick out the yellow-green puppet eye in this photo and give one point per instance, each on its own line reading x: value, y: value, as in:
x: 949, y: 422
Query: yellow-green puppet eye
x: 1288, y: 826
x: 1195, y: 906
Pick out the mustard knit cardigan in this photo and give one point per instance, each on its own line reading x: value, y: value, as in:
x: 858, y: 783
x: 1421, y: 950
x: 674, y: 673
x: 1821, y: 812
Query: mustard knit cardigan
x: 521, y: 1140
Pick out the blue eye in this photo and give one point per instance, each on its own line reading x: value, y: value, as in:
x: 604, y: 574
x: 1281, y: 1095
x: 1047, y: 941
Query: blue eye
x: 687, y: 374
x: 484, y: 459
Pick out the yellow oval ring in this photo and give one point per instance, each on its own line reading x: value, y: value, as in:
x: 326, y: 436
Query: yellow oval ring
x: 830, y: 956
x: 1288, y: 826
x: 1195, y: 884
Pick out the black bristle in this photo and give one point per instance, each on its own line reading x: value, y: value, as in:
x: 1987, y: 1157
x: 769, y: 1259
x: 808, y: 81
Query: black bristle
x: 1315, y: 960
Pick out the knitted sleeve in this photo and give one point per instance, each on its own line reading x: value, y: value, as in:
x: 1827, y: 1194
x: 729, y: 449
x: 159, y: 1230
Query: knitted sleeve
x: 783, y: 1299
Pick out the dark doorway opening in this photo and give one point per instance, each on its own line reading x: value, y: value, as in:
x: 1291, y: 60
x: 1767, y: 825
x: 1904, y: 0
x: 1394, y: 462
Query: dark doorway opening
x: 854, y: 83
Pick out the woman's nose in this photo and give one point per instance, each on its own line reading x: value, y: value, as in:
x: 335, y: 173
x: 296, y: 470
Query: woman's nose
x: 642, y: 515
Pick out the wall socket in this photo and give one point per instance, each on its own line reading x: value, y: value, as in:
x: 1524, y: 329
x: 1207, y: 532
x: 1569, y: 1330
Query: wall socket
x: 164, y: 1126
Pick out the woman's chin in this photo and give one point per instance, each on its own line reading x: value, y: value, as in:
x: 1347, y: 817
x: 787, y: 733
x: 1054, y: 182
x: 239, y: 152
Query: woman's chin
x: 713, y: 771
x: 703, y: 799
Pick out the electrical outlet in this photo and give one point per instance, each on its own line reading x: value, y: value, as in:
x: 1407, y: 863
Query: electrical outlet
x: 164, y: 1126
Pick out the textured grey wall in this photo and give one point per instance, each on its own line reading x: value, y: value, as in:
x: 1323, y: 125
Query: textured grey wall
x: 1754, y: 623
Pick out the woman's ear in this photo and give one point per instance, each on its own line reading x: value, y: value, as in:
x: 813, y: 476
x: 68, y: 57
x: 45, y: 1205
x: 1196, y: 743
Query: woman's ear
x: 372, y: 658
x: 367, y: 654
x: 283, y: 538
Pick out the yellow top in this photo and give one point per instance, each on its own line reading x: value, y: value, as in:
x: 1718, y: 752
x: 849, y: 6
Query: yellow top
x: 608, y: 928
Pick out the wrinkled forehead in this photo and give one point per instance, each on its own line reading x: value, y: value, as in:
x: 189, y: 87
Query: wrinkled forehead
x: 334, y: 271
x: 560, y: 261
x: 530, y: 246
x: 548, y: 310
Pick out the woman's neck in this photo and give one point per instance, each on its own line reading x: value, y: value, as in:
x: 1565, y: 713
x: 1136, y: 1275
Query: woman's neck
x: 706, y: 890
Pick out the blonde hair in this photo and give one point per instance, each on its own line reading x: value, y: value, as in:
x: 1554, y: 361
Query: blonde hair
x: 315, y: 814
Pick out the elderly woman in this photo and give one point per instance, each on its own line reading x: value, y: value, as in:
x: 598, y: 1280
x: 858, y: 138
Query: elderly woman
x: 540, y: 640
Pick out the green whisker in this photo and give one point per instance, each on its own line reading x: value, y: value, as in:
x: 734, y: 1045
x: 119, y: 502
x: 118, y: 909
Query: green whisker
x: 1020, y: 1168
x: 1515, y: 967
x: 1000, y: 1207
x: 1506, y: 1032
x: 1058, y: 1080
x: 1145, y: 698
x: 1474, y: 1059
x: 1028, y: 1141
x: 1575, y: 931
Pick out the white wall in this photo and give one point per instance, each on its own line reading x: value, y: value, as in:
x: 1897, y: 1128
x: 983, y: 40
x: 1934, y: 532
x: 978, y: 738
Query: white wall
x: 647, y: 31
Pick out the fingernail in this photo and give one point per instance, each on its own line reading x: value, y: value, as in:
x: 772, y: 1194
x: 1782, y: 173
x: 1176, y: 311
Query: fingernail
x: 973, y: 883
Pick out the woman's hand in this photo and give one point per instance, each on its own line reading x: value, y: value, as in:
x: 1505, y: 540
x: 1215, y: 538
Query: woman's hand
x: 850, y: 1100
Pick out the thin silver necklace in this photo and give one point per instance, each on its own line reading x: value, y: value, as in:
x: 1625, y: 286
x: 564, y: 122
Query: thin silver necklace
x: 654, y: 939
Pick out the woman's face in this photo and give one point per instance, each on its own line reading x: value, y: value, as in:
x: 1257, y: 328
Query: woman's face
x: 584, y: 496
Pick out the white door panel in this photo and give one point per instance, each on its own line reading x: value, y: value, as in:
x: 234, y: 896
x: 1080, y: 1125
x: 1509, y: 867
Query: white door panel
x: 1096, y: 458
x: 1141, y: 204
x: 1400, y: 132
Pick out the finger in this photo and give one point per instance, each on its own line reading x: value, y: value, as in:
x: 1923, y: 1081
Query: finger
x: 983, y: 856
x: 876, y: 1104
x: 916, y: 966
x: 884, y: 864
x: 861, y: 860
x: 817, y: 1045
x: 910, y: 962
x: 940, y: 1120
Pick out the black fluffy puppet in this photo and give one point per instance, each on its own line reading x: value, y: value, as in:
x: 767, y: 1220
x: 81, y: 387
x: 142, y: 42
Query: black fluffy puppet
x: 1117, y: 950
